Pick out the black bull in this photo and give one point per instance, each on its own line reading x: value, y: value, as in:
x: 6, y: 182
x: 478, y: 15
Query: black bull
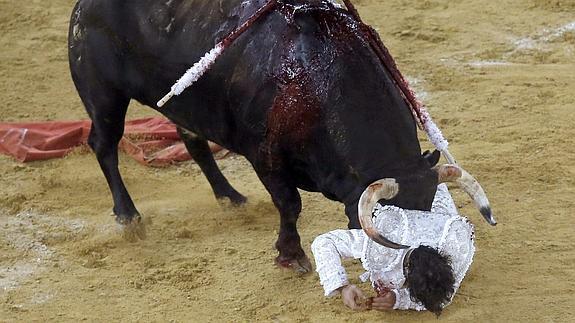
x: 301, y: 95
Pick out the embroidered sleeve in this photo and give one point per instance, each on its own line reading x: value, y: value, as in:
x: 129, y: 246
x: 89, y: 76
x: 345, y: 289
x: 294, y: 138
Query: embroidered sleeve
x: 403, y: 301
x: 328, y: 249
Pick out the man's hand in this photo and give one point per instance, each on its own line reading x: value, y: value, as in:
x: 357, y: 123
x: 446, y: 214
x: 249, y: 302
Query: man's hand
x: 384, y: 301
x: 353, y: 298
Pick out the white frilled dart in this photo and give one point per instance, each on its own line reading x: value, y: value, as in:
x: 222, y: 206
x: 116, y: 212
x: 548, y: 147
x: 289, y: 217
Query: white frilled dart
x: 193, y: 73
x: 202, y: 66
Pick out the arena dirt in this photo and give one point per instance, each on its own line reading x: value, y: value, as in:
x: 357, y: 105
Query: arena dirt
x: 499, y: 78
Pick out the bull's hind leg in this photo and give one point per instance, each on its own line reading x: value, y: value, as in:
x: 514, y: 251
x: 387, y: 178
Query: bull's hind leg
x: 287, y: 200
x: 107, y: 109
x: 200, y: 152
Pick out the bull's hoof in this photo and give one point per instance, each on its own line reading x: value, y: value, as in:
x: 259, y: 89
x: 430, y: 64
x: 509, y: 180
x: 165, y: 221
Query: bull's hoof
x: 238, y: 199
x: 301, y: 265
x: 232, y: 201
x: 132, y: 230
x: 229, y: 197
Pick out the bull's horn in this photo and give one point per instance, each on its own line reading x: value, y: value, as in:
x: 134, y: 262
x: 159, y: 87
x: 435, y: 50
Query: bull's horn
x: 453, y: 173
x: 386, y: 188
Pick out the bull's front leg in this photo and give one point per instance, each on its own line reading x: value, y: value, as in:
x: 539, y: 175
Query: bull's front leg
x: 287, y: 200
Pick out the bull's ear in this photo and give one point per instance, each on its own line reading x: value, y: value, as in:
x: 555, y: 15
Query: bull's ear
x: 432, y: 158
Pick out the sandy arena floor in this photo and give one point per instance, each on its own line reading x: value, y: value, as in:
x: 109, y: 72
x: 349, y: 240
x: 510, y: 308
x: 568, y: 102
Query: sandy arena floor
x: 499, y: 77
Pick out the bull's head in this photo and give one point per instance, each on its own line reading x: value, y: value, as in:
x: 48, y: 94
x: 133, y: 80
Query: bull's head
x: 391, y: 189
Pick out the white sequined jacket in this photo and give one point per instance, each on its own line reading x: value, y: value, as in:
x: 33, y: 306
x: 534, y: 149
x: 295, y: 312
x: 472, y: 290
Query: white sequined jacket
x: 441, y: 228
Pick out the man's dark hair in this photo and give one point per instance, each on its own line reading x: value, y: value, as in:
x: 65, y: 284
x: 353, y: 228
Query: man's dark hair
x: 430, y: 278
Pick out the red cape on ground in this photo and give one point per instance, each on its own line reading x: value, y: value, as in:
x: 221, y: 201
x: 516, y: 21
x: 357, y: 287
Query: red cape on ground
x: 151, y: 141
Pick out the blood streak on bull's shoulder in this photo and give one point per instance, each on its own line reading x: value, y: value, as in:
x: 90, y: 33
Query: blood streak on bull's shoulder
x: 296, y: 108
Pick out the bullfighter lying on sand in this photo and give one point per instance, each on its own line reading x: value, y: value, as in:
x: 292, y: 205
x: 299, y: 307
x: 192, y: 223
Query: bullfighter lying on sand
x: 425, y: 276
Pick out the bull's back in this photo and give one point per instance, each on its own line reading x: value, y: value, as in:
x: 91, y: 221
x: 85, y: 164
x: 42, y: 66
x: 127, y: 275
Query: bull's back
x: 146, y: 36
